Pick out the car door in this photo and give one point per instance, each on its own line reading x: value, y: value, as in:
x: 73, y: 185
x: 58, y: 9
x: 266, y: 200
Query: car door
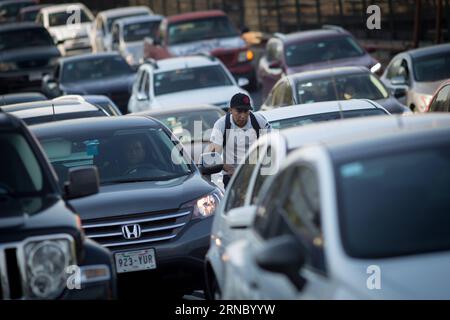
x: 441, y: 102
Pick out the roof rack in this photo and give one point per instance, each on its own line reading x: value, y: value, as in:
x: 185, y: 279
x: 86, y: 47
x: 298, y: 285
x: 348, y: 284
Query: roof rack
x: 75, y: 97
x: 333, y: 27
x: 151, y: 61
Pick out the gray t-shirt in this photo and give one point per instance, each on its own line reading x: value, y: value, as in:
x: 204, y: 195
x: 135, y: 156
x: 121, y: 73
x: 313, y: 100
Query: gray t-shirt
x: 239, y: 139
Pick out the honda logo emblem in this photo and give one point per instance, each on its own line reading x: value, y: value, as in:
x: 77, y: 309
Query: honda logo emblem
x: 131, y: 231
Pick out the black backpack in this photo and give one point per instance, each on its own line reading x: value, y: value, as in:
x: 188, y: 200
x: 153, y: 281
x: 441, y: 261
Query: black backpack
x: 253, y: 121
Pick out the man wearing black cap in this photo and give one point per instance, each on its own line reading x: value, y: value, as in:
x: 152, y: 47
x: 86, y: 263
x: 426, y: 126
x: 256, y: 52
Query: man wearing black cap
x: 235, y: 132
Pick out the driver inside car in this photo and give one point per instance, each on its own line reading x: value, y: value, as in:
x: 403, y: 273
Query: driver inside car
x: 135, y: 155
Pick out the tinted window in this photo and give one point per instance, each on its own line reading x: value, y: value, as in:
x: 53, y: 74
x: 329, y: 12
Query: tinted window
x: 395, y: 204
x: 432, y: 68
x: 195, y: 30
x: 190, y: 79
x: 341, y: 87
x: 25, y: 38
x: 63, y: 18
x: 322, y: 50
x: 95, y: 69
x: 11, y: 10
x: 442, y: 101
x: 120, y: 155
x: 329, y: 116
x: 138, y: 31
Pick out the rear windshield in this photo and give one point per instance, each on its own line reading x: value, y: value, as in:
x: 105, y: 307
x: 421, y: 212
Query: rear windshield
x: 329, y: 116
x: 25, y: 38
x: 110, y: 21
x: 322, y: 50
x: 395, y: 204
x: 139, y: 31
x: 433, y: 67
x: 64, y: 18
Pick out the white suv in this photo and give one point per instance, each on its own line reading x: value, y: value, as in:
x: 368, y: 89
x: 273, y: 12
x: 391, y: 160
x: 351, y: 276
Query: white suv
x: 183, y: 81
x: 69, y: 25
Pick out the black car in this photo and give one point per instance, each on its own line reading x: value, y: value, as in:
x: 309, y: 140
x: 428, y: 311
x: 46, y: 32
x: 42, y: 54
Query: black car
x: 10, y: 9
x: 54, y: 110
x: 43, y: 251
x: 23, y: 97
x: 154, y: 210
x: 92, y: 74
x: 27, y: 53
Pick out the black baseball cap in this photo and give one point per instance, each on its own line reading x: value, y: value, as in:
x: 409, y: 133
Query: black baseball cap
x: 241, y: 101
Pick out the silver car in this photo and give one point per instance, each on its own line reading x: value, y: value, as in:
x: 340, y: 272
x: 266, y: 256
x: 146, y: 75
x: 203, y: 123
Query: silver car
x: 417, y: 74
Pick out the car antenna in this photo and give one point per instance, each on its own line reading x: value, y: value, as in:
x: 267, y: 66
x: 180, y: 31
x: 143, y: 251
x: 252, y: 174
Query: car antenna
x: 53, y: 109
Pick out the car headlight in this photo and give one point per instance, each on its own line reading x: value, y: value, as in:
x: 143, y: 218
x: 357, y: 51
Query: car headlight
x: 246, y: 55
x: 376, y: 68
x: 7, y: 66
x: 205, y: 206
x: 46, y: 263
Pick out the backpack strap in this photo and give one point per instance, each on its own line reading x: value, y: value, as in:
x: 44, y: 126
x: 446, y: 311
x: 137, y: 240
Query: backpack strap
x: 227, y: 128
x: 255, y: 124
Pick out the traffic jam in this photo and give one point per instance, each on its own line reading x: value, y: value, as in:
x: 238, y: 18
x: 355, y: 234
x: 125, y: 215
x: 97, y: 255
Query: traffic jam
x: 154, y: 155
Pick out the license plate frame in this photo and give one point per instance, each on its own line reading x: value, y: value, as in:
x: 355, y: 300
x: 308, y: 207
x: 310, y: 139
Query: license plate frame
x: 135, y: 260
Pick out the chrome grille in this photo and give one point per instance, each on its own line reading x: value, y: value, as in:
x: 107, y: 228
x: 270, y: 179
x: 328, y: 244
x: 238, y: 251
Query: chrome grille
x: 155, y: 227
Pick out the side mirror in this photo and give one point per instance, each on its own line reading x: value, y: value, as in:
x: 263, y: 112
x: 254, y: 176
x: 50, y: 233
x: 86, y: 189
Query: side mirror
x: 399, y: 92
x: 243, y: 82
x: 241, y: 218
x: 83, y: 182
x: 142, y: 97
x: 283, y: 255
x: 210, y: 163
x: 399, y: 81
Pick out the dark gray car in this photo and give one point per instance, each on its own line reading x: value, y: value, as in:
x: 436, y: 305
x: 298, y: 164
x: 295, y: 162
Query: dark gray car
x: 343, y: 83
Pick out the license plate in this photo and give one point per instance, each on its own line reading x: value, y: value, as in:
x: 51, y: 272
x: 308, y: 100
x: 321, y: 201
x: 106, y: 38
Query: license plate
x: 135, y: 260
x: 34, y: 76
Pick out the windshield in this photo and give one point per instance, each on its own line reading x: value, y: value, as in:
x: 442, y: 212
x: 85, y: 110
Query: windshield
x: 432, y: 68
x: 182, y: 124
x: 20, y: 171
x: 94, y: 69
x: 110, y: 21
x: 138, y: 31
x: 201, y: 29
x: 120, y: 155
x: 322, y: 50
x: 25, y: 38
x: 329, y: 116
x: 190, y: 79
x: 11, y: 10
x: 395, y: 204
x: 353, y: 86
x: 63, y: 18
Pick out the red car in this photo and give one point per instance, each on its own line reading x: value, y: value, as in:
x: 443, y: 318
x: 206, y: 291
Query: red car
x: 441, y: 99
x: 208, y: 32
x: 324, y: 48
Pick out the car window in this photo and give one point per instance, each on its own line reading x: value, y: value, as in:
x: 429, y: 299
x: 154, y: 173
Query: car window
x: 138, y: 31
x: 238, y: 189
x: 393, y: 69
x: 264, y: 171
x: 144, y: 88
x: 277, y: 94
x: 22, y: 38
x: 287, y: 96
x: 433, y: 67
x: 442, y: 101
x: 61, y: 18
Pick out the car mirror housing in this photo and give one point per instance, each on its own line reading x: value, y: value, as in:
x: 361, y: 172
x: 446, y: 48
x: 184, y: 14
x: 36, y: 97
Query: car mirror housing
x: 283, y: 255
x: 399, y: 92
x: 210, y: 163
x: 82, y: 182
x: 241, y: 218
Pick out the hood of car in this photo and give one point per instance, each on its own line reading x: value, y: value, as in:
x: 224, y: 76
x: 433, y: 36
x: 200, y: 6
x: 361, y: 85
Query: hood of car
x: 131, y: 198
x: 209, y: 45
x: 25, y: 54
x: 219, y: 96
x: 363, y: 61
x: 70, y: 32
x: 104, y: 86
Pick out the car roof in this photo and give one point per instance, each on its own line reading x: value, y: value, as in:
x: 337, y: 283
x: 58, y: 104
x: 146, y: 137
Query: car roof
x: 299, y: 136
x: 117, y: 12
x: 60, y: 7
x: 178, y: 110
x: 327, y: 73
x: 300, y: 36
x: 46, y: 107
x: 185, y: 62
x: 58, y: 128
x: 20, y: 26
x: 34, y: 96
x: 430, y: 50
x: 9, y: 122
x: 88, y: 56
x: 195, y: 15
x: 318, y: 108
x: 138, y: 19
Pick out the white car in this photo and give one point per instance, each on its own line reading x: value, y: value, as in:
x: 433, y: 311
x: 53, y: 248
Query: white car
x: 101, y: 38
x: 264, y: 159
x: 128, y: 36
x: 183, y: 81
x: 358, y: 217
x: 69, y: 25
